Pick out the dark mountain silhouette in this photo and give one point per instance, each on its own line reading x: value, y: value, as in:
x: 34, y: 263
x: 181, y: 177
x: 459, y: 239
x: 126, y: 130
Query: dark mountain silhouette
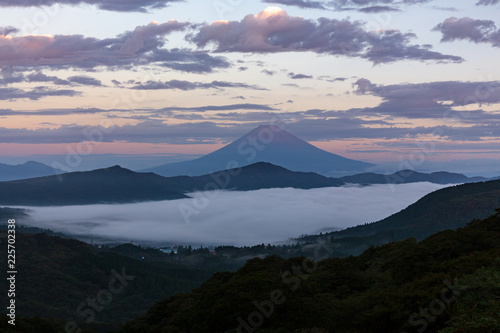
x: 119, y: 185
x: 449, y: 208
x: 27, y: 170
x: 110, y: 185
x: 410, y: 176
x: 252, y: 177
x: 266, y: 144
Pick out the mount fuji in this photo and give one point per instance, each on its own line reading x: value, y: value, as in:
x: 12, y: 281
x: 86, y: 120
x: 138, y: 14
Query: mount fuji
x: 270, y: 144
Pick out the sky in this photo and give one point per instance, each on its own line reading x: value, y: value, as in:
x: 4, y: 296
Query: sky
x: 263, y: 216
x: 99, y: 82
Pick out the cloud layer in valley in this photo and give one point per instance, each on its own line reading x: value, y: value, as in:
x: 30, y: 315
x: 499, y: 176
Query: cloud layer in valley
x: 234, y: 218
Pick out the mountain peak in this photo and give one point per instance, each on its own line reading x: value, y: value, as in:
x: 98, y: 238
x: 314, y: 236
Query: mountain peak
x: 33, y: 163
x: 266, y: 143
x: 272, y: 135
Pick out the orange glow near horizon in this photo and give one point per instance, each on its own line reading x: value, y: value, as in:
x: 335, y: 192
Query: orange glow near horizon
x: 374, y: 151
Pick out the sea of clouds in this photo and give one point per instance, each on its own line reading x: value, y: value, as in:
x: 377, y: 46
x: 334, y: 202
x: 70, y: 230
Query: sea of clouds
x: 232, y: 218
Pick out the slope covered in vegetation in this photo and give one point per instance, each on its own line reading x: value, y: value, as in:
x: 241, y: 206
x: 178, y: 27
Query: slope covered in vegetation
x: 404, y: 286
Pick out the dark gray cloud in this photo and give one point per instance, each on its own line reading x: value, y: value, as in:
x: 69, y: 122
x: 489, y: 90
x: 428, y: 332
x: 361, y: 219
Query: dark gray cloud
x: 350, y: 128
x: 40, y: 77
x: 284, y: 33
x: 466, y: 28
x: 185, y: 60
x: 8, y: 76
x: 168, y: 111
x: 53, y: 112
x: 299, y: 76
x: 149, y: 131
x: 187, y: 85
x: 368, y: 6
x: 5, y: 31
x: 229, y: 107
x: 85, y: 80
x: 487, y: 2
x: 378, y: 9
x: 434, y: 100
x: 143, y: 46
x: 299, y: 3
x: 111, y: 5
x: 206, y: 132
x: 268, y: 72
x: 33, y: 94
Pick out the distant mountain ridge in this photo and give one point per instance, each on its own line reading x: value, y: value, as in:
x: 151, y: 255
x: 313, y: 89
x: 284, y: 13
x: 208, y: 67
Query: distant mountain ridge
x: 410, y: 176
x: 119, y: 185
x: 110, y: 185
x: 256, y: 176
x: 265, y: 144
x: 27, y: 170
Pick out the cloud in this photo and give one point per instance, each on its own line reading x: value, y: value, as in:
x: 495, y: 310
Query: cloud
x: 378, y: 9
x: 466, y: 28
x: 187, y: 85
x: 229, y: 107
x: 268, y: 72
x: 118, y: 6
x: 299, y: 76
x: 33, y: 94
x: 299, y: 3
x: 364, y: 86
x: 426, y: 98
x: 53, y: 112
x: 85, y: 80
x: 5, y: 31
x: 313, y: 125
x: 487, y: 2
x: 40, y: 77
x: 366, y: 6
x: 143, y: 46
x: 255, y: 217
x: 273, y: 30
x: 164, y: 111
x: 332, y: 79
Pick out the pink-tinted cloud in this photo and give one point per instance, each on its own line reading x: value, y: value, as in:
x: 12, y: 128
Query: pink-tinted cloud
x: 273, y: 30
x: 144, y: 45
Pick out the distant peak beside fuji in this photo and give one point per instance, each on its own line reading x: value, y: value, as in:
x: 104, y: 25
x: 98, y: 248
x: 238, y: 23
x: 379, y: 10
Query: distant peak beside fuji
x: 266, y: 143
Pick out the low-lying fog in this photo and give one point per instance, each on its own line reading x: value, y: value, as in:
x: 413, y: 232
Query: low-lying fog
x: 233, y: 218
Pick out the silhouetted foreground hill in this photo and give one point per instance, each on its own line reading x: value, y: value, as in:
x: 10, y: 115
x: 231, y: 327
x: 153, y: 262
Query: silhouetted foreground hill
x: 447, y: 208
x: 58, y: 278
x: 403, y: 286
